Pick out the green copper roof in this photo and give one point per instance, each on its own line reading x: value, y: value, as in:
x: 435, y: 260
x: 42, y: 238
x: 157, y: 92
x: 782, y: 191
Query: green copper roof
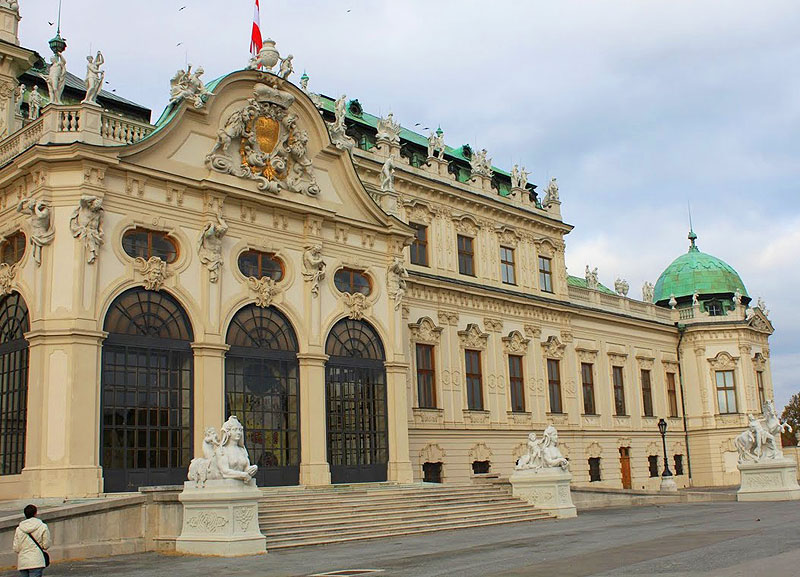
x: 699, y: 271
x: 581, y: 282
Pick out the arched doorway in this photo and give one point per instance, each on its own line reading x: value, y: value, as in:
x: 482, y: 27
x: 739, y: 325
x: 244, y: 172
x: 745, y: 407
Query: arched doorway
x: 147, y: 390
x: 355, y: 399
x: 14, y: 324
x: 262, y: 389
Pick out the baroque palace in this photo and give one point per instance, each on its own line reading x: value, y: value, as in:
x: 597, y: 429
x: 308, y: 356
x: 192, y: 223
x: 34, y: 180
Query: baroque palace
x: 372, y: 304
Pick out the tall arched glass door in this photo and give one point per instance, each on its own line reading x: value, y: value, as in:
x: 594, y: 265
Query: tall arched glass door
x: 262, y: 388
x: 14, y: 324
x: 355, y: 398
x: 147, y: 388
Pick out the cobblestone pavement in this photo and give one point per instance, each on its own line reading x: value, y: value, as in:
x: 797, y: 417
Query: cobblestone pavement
x: 709, y: 539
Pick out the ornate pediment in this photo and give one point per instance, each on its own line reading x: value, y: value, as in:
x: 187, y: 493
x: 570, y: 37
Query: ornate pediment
x: 759, y: 322
x: 425, y: 331
x: 473, y: 337
x: 723, y: 361
x: 261, y: 142
x: 553, y: 348
x: 515, y: 344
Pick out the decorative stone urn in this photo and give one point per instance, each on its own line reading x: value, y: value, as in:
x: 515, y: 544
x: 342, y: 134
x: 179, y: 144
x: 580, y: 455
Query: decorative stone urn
x: 220, y: 499
x: 542, y: 476
x: 766, y: 474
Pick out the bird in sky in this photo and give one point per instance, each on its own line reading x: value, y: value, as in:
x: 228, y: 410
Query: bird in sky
x: 181, y: 8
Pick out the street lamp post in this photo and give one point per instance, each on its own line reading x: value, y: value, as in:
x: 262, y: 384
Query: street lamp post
x: 667, y: 482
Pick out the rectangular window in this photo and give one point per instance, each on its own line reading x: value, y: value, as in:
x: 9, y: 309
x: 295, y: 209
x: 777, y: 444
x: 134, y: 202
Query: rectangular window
x: 466, y: 255
x: 619, y: 391
x: 419, y: 248
x: 594, y: 469
x: 647, y: 393
x: 432, y: 472
x: 588, y: 389
x: 726, y: 392
x: 652, y: 461
x: 472, y: 363
x: 545, y: 275
x: 507, y: 265
x: 760, y: 384
x: 678, y: 464
x: 517, y: 383
x: 426, y: 377
x: 554, y: 386
x: 672, y: 395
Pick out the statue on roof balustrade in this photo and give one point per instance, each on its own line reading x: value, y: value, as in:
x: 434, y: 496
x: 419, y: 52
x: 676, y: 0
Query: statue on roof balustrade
x: 388, y: 129
x: 648, y: 292
x: 186, y: 85
x: 19, y: 96
x: 551, y: 193
x: 34, y: 103
x: 94, y: 77
x: 286, y: 68
x: 56, y: 77
x: 387, y: 175
x: 621, y: 287
x: 436, y: 144
x: 480, y: 164
x: 267, y: 57
x: 737, y: 298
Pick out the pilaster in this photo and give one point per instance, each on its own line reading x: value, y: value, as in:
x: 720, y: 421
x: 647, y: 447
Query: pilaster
x: 209, y: 389
x: 314, y: 468
x: 399, y: 458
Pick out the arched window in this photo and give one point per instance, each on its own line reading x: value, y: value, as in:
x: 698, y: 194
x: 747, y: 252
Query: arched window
x: 355, y: 397
x: 262, y: 389
x: 348, y: 280
x: 146, y: 243
x: 257, y: 264
x: 12, y: 249
x: 13, y: 383
x: 147, y: 391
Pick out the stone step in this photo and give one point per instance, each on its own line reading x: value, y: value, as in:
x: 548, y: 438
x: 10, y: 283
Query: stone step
x: 377, y: 534
x: 286, y: 496
x: 375, y: 502
x: 407, y: 511
x: 359, y: 525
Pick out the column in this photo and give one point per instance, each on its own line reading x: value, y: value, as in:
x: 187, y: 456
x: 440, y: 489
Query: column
x: 314, y: 469
x: 209, y: 389
x: 399, y: 459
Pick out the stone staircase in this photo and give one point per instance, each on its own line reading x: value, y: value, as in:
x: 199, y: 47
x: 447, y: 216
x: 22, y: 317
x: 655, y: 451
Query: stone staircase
x: 302, y: 516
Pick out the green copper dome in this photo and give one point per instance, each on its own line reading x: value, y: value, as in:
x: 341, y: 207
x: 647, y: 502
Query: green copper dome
x: 698, y: 271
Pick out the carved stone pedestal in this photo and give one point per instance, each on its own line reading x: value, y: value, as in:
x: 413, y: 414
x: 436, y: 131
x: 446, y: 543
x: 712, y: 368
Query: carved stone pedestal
x: 547, y: 488
x: 773, y: 480
x: 221, y: 519
x: 668, y: 484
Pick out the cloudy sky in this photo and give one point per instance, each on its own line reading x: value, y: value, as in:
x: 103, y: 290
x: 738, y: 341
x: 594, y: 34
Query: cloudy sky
x: 637, y: 107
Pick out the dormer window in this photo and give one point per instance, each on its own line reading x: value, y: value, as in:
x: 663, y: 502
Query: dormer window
x: 714, y: 309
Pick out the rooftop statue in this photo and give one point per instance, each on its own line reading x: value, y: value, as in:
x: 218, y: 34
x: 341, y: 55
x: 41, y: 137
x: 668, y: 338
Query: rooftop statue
x: 696, y: 298
x: 480, y: 164
x: 523, y: 178
x: 592, y: 280
x: 387, y: 175
x: 673, y: 302
x: 18, y: 98
x: 56, y: 77
x: 737, y: 299
x: 436, y: 144
x: 94, y: 77
x: 551, y: 192
x: 621, y: 287
x: 761, y: 441
x: 763, y: 306
x: 648, y: 291
x: 286, y: 68
x: 543, y: 453
x: 186, y: 85
x: 337, y: 129
x: 34, y: 103
x: 42, y: 231
x: 388, y: 129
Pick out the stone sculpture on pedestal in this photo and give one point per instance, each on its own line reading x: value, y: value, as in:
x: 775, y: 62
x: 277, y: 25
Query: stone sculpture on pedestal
x: 220, y: 499
x: 648, y: 291
x: 19, y: 97
x: 551, y: 193
x: 766, y: 474
x: 337, y: 128
x: 34, y: 103
x: 388, y: 129
x: 621, y: 287
x: 56, y: 78
x: 387, y: 175
x: 436, y: 144
x: 94, y: 77
x: 186, y: 85
x: 542, y: 477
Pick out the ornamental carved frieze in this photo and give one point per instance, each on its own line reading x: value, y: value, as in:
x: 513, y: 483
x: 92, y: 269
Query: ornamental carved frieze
x: 448, y: 318
x: 723, y: 362
x: 356, y: 305
x: 153, y: 270
x: 566, y: 336
x: 493, y: 325
x: 515, y: 344
x: 265, y: 289
x: 586, y: 355
x: 207, y: 521
x: 533, y: 331
x: 262, y: 142
x: 553, y: 348
x: 645, y: 363
x: 7, y: 274
x: 473, y: 337
x: 424, y: 331
x: 244, y: 516
x: 617, y: 359
x: 418, y: 212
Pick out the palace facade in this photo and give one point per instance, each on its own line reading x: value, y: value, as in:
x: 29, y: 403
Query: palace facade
x: 255, y: 253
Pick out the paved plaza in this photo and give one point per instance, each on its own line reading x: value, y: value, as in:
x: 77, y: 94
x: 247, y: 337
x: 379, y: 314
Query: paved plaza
x: 713, y: 539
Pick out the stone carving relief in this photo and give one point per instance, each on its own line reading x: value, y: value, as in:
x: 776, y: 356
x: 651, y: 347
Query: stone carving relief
x: 337, y: 129
x: 466, y: 225
x: 553, y: 348
x: 448, y: 318
x: 586, y: 355
x: 270, y: 148
x: 396, y: 283
x: 653, y: 448
x: 265, y: 289
x: 432, y: 453
x: 515, y: 344
x: 480, y: 452
x: 153, y: 270
x: 244, y: 516
x: 543, y: 453
x: 594, y: 450
x: 356, y: 304
x: 388, y: 129
x: 533, y: 331
x: 759, y: 363
x: 86, y: 224
x: 617, y: 359
x: 207, y: 522
x: 473, y: 338
x: 566, y: 336
x: 224, y: 458
x: 186, y: 85
x: 209, y: 246
x: 493, y: 325
x: 314, y: 267
x: 7, y: 274
x: 42, y: 230
x: 424, y: 331
x: 723, y: 362
x: 645, y: 363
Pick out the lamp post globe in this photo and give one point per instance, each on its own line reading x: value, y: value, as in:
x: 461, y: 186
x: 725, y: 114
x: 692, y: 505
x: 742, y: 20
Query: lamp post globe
x: 667, y: 482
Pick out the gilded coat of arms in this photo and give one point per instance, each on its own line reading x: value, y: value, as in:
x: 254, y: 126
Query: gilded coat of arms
x: 268, y: 147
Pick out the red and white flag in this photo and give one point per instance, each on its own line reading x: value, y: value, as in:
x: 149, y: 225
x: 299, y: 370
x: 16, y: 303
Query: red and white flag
x: 255, y: 38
